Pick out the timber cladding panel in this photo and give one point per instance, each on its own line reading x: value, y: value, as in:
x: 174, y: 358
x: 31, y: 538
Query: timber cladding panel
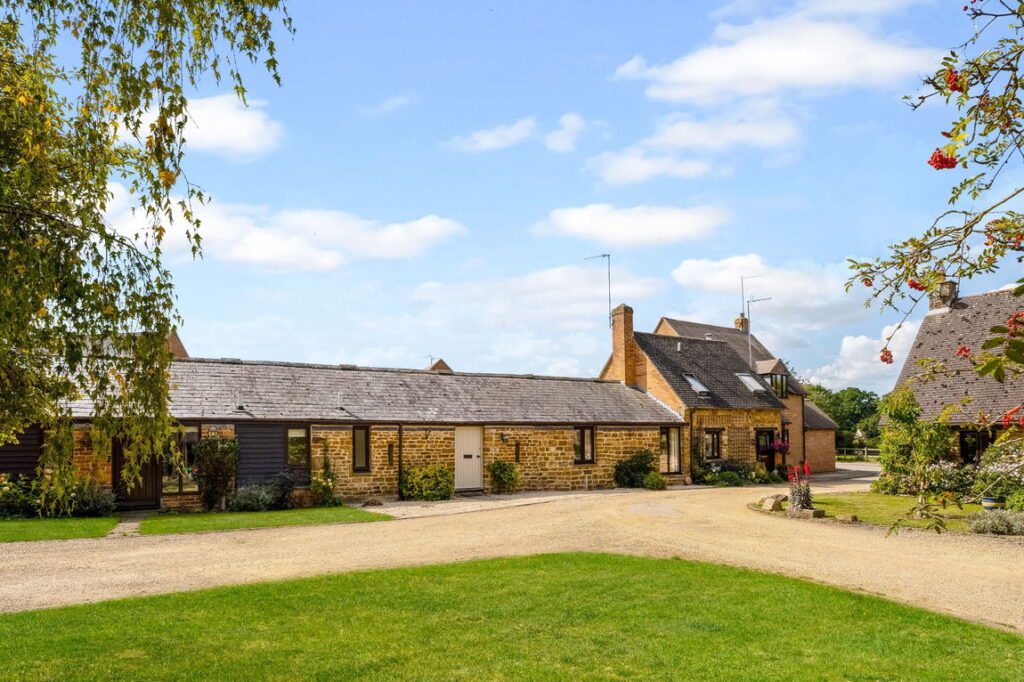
x: 739, y: 428
x: 546, y: 454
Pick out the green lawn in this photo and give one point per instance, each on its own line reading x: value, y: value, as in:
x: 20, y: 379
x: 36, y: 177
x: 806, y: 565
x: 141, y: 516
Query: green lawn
x: 21, y: 530
x: 885, y: 509
x: 555, y: 617
x: 190, y: 523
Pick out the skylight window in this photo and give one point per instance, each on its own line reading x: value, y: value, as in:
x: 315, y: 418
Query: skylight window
x: 696, y: 385
x: 750, y: 382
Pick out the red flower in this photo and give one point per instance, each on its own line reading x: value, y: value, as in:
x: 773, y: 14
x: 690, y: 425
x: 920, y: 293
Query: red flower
x: 886, y: 356
x: 807, y: 468
x: 940, y: 160
x: 953, y: 81
x: 914, y: 284
x: 963, y: 352
x: 790, y: 473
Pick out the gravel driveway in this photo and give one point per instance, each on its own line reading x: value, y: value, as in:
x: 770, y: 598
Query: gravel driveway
x: 976, y: 578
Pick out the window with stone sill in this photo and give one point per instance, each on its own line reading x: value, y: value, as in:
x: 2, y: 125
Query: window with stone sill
x: 712, y: 444
x: 361, y: 449
x: 583, y: 445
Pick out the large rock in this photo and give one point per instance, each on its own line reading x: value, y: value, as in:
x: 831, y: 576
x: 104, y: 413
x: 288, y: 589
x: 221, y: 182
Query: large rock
x: 770, y: 504
x: 807, y: 513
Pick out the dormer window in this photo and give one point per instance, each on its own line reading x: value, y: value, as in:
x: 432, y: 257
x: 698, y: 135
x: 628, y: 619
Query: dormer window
x: 696, y: 385
x: 750, y: 382
x: 779, y: 384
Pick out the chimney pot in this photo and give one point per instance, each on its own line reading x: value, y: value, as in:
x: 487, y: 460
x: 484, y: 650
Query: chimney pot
x: 742, y: 323
x: 679, y: 346
x: 944, y: 295
x: 707, y: 337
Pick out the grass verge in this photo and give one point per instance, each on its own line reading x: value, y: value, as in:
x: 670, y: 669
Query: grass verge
x: 191, y: 523
x: 24, y: 530
x: 885, y: 509
x: 564, y: 616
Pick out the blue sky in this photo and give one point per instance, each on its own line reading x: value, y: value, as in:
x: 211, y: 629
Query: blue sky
x: 430, y: 177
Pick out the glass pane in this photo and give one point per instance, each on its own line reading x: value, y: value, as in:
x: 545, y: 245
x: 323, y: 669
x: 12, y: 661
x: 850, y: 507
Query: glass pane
x: 588, y: 444
x: 665, y: 467
x: 298, y: 451
x: 673, y: 451
x: 576, y: 442
x: 359, y: 449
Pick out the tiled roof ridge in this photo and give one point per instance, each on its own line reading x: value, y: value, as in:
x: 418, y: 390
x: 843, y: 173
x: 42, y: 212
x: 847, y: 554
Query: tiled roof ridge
x: 356, y: 368
x: 662, y: 337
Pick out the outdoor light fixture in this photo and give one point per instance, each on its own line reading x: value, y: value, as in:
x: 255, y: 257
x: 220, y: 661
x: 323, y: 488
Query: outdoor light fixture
x: 504, y: 437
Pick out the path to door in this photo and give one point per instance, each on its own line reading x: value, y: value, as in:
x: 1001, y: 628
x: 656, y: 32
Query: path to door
x: 977, y: 578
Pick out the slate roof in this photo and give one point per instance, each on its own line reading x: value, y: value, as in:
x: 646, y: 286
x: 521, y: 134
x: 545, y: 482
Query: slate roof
x: 714, y: 363
x: 213, y: 389
x: 737, y: 340
x: 816, y: 420
x: 942, y: 332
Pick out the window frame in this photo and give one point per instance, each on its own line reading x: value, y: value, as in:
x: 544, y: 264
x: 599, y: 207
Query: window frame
x: 696, y: 384
x: 181, y: 476
x: 288, y: 466
x: 665, y: 441
x: 369, y: 450
x: 584, y: 435
x: 751, y: 382
x: 716, y: 440
x: 779, y: 384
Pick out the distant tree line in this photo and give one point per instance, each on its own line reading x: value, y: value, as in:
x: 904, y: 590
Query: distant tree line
x: 853, y: 409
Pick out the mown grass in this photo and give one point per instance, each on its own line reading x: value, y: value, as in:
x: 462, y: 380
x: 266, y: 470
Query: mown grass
x: 884, y: 510
x: 24, y: 530
x: 191, y: 523
x: 567, y: 616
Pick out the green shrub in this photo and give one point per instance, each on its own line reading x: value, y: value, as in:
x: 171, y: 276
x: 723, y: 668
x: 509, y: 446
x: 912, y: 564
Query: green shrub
x: 282, y: 488
x: 725, y: 478
x: 321, y: 483
x: 431, y: 482
x: 997, y: 522
x: 252, y: 497
x: 216, y: 463
x: 888, y: 484
x: 18, y: 495
x: 504, y: 475
x: 1001, y: 471
x: 1015, y: 502
x: 630, y: 473
x: 655, y: 481
x: 92, y: 500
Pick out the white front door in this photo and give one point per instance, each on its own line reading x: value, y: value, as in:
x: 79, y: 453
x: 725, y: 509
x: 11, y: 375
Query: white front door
x: 469, y: 458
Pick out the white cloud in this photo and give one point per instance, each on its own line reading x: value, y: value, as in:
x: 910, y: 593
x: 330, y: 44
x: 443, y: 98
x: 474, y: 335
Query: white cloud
x: 634, y: 165
x: 805, y: 296
x: 564, y: 138
x: 855, y: 7
x: 223, y: 125
x: 498, y: 137
x: 858, y: 363
x: 569, y: 297
x: 768, y: 56
x: 755, y: 123
x: 387, y: 106
x: 293, y: 240
x: 636, y: 226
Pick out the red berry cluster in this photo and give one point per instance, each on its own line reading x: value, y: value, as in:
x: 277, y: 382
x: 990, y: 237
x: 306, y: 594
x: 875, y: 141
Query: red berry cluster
x: 963, y: 352
x: 868, y: 282
x: 953, y: 81
x: 886, y: 356
x: 915, y: 285
x: 1008, y: 418
x: 1016, y: 324
x: 940, y: 160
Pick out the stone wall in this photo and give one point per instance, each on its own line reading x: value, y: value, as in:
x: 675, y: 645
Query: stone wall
x: 821, y: 450
x: 546, y: 454
x: 738, y: 427
x: 795, y: 413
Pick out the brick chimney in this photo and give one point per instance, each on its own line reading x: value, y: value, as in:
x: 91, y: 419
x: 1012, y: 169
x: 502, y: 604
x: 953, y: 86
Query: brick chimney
x: 622, y: 366
x: 742, y: 323
x: 944, y: 296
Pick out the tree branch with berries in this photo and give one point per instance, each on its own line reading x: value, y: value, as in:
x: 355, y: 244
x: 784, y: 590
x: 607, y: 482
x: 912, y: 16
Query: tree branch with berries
x: 981, y: 79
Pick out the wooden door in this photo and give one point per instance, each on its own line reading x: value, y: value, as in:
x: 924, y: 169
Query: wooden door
x: 469, y: 458
x: 765, y: 452
x: 145, y: 493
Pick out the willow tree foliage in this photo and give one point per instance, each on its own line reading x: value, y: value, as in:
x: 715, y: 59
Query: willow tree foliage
x: 94, y: 92
x: 981, y: 81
